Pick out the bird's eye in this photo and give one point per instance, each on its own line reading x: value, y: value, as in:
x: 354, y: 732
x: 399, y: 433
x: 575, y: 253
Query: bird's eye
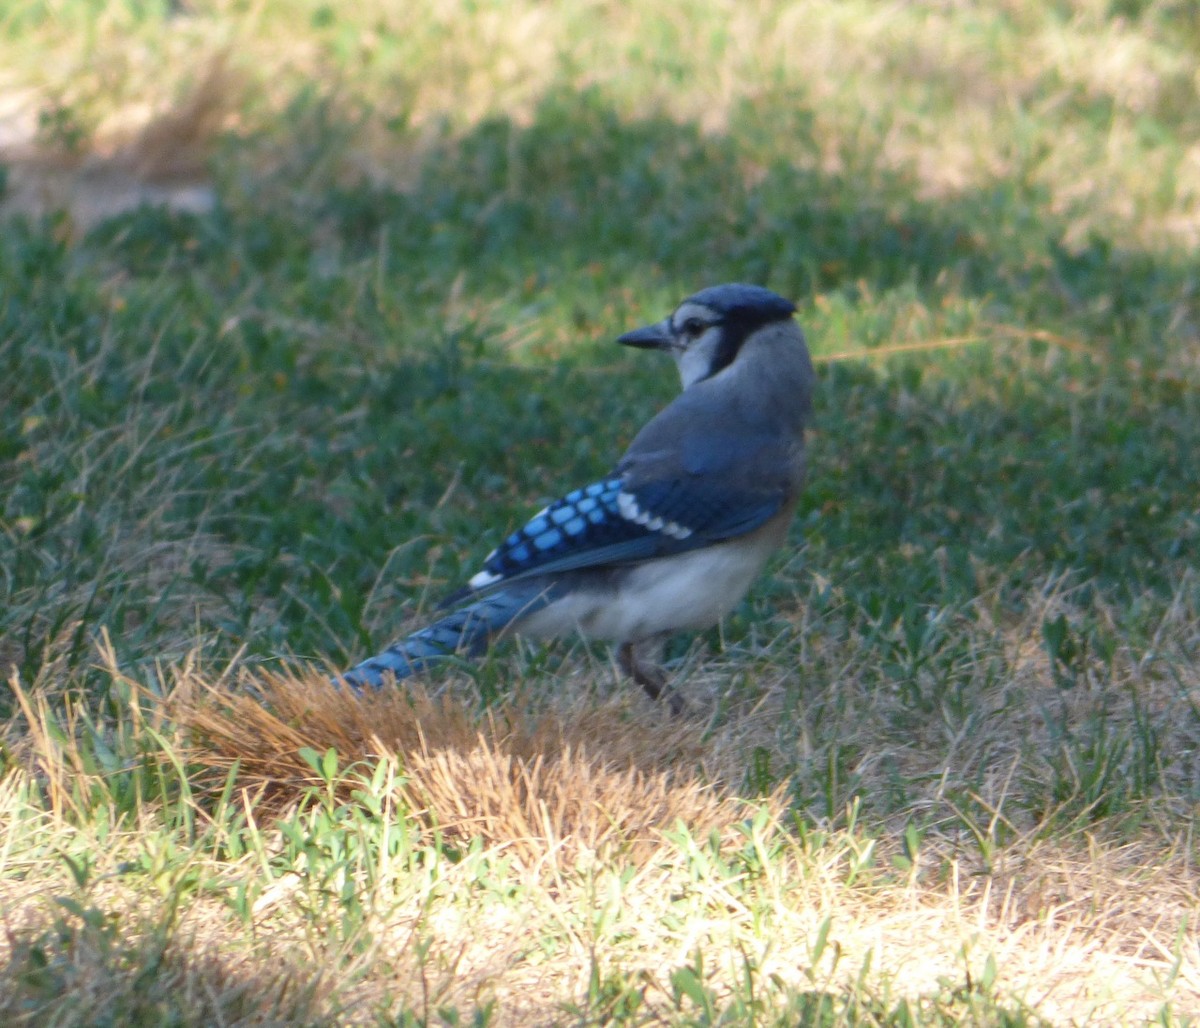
x: 693, y: 327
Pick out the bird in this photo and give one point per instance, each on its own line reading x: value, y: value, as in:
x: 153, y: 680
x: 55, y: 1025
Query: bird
x: 673, y: 537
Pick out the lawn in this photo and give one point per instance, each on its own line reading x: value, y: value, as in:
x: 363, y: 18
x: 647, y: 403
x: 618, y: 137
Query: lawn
x: 942, y: 765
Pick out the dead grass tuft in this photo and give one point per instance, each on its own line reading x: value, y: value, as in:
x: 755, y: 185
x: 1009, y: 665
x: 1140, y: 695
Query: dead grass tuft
x: 177, y: 141
x: 137, y: 156
x: 529, y: 775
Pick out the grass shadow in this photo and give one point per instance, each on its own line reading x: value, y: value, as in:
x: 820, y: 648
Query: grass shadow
x: 272, y: 400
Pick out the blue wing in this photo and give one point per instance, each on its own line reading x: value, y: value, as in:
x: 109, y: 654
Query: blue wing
x: 688, y: 480
x: 609, y: 523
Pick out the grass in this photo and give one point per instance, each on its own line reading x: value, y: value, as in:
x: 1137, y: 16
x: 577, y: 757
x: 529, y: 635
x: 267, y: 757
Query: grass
x: 942, y: 767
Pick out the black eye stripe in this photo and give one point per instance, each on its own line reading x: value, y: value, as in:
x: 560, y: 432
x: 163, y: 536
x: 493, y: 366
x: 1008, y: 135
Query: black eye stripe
x: 736, y: 328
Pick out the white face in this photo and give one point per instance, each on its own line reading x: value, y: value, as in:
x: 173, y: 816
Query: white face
x: 695, y: 332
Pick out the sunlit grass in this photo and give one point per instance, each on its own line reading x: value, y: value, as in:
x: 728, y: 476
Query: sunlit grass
x: 1095, y: 115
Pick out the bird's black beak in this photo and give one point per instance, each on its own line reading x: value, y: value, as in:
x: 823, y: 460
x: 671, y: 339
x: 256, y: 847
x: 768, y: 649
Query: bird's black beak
x: 652, y: 337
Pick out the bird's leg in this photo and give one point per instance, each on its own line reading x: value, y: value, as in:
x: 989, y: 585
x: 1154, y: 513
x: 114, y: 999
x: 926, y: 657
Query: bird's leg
x: 648, y: 675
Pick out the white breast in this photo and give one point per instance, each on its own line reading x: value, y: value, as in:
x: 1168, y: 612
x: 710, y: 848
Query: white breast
x: 687, y: 591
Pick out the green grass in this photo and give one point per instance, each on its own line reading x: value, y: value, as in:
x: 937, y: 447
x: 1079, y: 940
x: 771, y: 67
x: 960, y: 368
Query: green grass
x: 282, y: 428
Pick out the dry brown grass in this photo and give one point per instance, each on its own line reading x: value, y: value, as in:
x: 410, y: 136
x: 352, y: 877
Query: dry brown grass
x: 594, y: 819
x: 607, y: 850
x: 528, y: 777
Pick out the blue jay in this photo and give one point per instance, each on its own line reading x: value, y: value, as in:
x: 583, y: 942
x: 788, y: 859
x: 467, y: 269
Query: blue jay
x: 673, y: 537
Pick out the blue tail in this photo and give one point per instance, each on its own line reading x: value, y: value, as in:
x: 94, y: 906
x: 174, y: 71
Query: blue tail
x: 464, y: 631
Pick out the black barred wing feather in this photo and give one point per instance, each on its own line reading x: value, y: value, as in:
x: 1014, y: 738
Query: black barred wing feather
x: 607, y: 523
x: 710, y: 512
x: 586, y: 528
